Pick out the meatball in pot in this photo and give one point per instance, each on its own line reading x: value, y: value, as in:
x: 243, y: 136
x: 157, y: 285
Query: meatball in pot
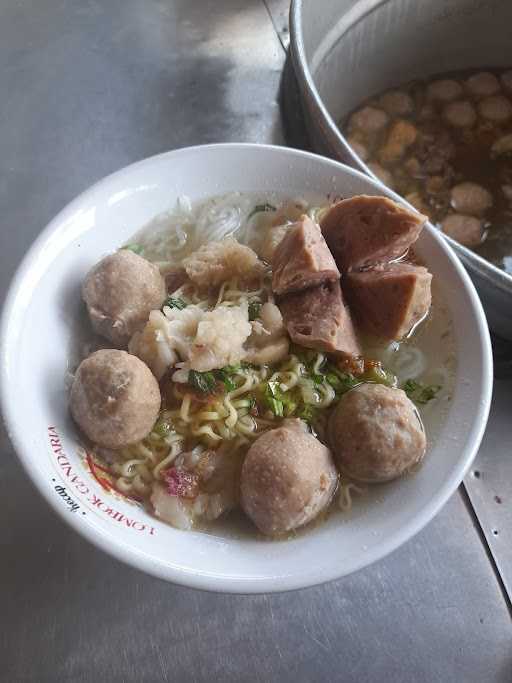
x: 115, y: 399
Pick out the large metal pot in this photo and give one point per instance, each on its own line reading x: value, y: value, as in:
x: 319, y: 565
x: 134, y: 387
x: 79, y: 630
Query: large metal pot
x: 347, y: 50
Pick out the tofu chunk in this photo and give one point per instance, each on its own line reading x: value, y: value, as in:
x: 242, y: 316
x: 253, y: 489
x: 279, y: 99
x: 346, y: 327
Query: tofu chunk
x: 388, y: 301
x: 364, y: 230
x: 302, y: 259
x: 317, y: 318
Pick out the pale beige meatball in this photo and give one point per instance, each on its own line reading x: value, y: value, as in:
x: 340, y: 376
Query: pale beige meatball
x: 467, y: 230
x: 397, y: 103
x: 495, y: 108
x: 502, y: 146
x: 376, y: 433
x: 483, y: 84
x: 460, y: 114
x: 120, y: 292
x: 445, y: 90
x: 470, y: 198
x: 288, y: 478
x: 115, y: 399
x: 400, y: 137
x: 416, y: 200
x: 369, y: 120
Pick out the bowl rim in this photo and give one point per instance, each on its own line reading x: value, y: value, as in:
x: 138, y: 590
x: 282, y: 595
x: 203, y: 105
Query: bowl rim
x: 135, y: 558
x: 338, y: 145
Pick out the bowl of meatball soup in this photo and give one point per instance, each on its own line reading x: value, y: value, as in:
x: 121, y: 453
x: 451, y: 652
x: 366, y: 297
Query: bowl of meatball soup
x: 244, y: 368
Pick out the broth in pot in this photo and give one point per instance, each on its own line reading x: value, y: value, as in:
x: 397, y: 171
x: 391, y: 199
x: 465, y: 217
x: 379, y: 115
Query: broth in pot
x: 445, y: 144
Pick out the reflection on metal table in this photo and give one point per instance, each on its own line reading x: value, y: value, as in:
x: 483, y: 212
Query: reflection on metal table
x: 89, y: 87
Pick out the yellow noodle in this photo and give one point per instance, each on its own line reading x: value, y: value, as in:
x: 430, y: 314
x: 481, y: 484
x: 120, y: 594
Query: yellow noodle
x: 185, y: 408
x: 232, y: 417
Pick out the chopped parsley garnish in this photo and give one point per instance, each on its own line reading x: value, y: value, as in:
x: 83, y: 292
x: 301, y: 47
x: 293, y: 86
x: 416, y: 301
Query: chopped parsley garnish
x: 254, y: 310
x: 419, y: 392
x: 136, y: 248
x: 209, y: 382
x: 260, y: 208
x: 204, y: 382
x: 175, y: 302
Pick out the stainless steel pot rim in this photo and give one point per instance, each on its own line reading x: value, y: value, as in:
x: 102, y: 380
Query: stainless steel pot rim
x: 492, y: 274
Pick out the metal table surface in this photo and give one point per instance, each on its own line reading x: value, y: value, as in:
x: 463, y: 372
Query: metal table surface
x: 87, y: 87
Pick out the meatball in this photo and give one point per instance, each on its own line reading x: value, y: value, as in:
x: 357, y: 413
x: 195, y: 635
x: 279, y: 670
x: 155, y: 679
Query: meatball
x: 397, y: 103
x: 502, y: 146
x: 445, y: 90
x: 470, y: 198
x: 288, y: 478
x: 369, y: 120
x: 401, y: 136
x: 376, y: 433
x: 495, y: 108
x: 416, y: 200
x: 120, y: 292
x: 466, y: 230
x: 483, y: 84
x: 460, y: 114
x: 115, y: 399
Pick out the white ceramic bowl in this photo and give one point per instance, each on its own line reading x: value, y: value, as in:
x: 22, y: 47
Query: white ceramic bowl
x: 40, y: 325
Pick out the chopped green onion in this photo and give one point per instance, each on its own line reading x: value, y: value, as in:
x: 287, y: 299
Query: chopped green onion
x: 275, y: 406
x: 273, y: 398
x: 136, y: 248
x: 224, y: 375
x: 254, y: 310
x: 231, y: 369
x: 307, y: 412
x: 162, y: 428
x: 289, y: 406
x: 175, y: 302
x: 202, y: 381
x: 377, y: 374
x: 248, y: 366
x: 259, y: 208
x: 341, y: 382
x: 420, y: 393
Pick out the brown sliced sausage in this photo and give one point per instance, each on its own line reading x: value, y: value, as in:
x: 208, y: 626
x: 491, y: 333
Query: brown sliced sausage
x: 317, y: 318
x: 388, y: 301
x: 364, y: 230
x: 302, y: 259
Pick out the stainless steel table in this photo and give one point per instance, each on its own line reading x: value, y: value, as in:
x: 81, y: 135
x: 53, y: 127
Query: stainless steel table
x: 88, y: 86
